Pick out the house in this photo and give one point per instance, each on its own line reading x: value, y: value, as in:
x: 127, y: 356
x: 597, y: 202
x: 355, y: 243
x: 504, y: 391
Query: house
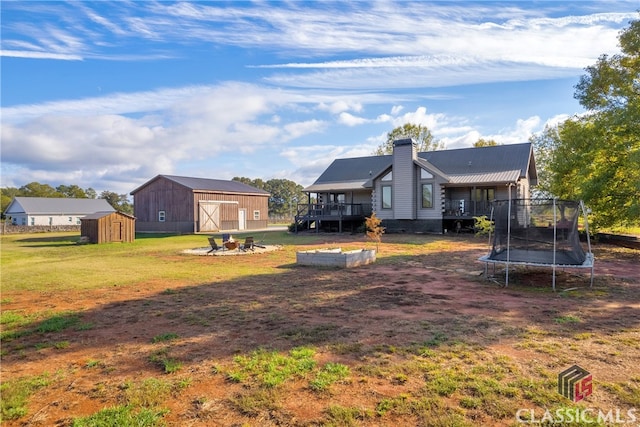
x: 53, y: 211
x: 178, y: 204
x: 433, y: 191
x: 106, y: 227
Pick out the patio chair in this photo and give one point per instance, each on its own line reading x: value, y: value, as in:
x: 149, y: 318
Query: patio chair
x: 248, y: 244
x: 214, y: 245
x: 226, y: 238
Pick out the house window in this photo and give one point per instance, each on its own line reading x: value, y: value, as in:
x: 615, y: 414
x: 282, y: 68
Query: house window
x: 70, y: 219
x: 78, y: 221
x: 161, y: 216
x: 425, y: 175
x: 427, y: 195
x: 388, y: 177
x: 256, y: 215
x: 386, y: 197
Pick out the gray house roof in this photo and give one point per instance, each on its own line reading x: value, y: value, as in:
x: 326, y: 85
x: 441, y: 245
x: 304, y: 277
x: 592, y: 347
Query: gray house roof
x: 56, y: 206
x: 500, y: 163
x: 206, y: 184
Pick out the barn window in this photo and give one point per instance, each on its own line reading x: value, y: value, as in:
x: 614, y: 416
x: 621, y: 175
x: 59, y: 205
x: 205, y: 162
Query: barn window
x: 70, y: 219
x: 161, y: 216
x: 256, y: 215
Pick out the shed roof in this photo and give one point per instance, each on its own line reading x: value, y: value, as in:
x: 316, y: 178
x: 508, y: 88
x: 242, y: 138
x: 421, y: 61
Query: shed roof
x: 463, y: 165
x: 208, y: 185
x: 98, y: 215
x: 57, y: 206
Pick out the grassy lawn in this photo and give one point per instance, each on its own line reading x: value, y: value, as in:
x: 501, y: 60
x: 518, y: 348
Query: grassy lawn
x: 142, y: 334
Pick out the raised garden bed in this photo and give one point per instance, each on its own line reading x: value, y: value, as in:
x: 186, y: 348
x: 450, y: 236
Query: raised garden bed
x: 336, y: 257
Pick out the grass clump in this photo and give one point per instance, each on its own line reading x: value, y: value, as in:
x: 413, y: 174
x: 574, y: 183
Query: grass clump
x: 169, y: 336
x: 342, y: 416
x: 256, y: 401
x: 148, y: 393
x: 270, y: 369
x: 329, y: 374
x: 16, y: 393
x: 162, y: 359
x: 122, y: 416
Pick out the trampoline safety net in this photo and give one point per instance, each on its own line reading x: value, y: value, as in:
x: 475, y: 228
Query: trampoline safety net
x: 535, y: 231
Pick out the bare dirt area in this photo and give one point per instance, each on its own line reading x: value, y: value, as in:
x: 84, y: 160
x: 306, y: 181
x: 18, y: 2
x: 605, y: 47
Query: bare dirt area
x: 426, y: 338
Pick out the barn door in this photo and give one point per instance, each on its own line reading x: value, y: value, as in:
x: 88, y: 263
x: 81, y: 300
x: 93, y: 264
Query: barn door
x: 116, y: 232
x: 242, y: 219
x: 209, y: 216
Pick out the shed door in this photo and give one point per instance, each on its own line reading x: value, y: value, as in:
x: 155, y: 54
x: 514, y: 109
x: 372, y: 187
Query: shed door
x: 116, y: 231
x: 209, y: 216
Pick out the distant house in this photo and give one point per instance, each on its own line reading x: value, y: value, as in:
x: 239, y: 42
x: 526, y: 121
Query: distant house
x: 107, y: 227
x: 53, y: 211
x: 432, y: 191
x: 178, y: 204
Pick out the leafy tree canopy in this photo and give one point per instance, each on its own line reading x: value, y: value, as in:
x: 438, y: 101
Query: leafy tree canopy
x: 595, y: 157
x: 419, y: 133
x: 485, y: 143
x: 285, y: 194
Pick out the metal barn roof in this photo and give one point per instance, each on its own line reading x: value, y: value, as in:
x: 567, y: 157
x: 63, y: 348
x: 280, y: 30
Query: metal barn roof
x: 57, y: 206
x: 207, y: 184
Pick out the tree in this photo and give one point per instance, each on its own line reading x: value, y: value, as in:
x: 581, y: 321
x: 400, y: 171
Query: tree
x: 119, y: 202
x: 35, y: 189
x: 71, y: 191
x: 595, y: 157
x: 420, y: 134
x: 374, y: 229
x: 485, y: 143
x: 285, y: 195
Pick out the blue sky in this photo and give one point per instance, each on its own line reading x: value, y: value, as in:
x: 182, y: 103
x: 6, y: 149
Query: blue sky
x: 109, y: 94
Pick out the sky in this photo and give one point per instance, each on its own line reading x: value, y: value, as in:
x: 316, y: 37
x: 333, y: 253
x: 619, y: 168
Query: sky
x: 108, y: 95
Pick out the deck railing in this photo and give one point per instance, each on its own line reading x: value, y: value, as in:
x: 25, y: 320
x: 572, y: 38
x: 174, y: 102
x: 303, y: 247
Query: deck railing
x: 314, y: 210
x: 465, y: 207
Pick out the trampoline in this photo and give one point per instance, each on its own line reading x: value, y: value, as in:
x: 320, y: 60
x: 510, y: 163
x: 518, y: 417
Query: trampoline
x: 539, y: 232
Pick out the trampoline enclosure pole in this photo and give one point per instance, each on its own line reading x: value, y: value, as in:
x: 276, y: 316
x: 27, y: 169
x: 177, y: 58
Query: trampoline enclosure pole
x: 555, y: 231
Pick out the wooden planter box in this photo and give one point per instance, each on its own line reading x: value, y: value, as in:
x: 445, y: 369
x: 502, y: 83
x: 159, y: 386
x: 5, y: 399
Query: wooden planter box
x: 336, y: 258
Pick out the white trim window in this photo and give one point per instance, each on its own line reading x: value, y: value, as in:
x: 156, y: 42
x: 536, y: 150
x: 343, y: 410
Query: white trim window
x: 256, y: 215
x: 162, y: 216
x: 386, y: 197
x: 427, y: 195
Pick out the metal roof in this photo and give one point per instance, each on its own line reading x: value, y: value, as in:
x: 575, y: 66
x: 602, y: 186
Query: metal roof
x: 207, y: 184
x: 98, y: 215
x: 464, y: 165
x: 57, y: 206
x: 352, y: 173
x: 486, y: 178
x: 475, y: 160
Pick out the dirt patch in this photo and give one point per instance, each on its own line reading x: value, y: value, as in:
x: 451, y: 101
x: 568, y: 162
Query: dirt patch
x: 382, y: 320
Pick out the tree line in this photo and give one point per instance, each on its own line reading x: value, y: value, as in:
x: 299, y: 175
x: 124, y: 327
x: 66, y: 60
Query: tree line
x: 119, y: 202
